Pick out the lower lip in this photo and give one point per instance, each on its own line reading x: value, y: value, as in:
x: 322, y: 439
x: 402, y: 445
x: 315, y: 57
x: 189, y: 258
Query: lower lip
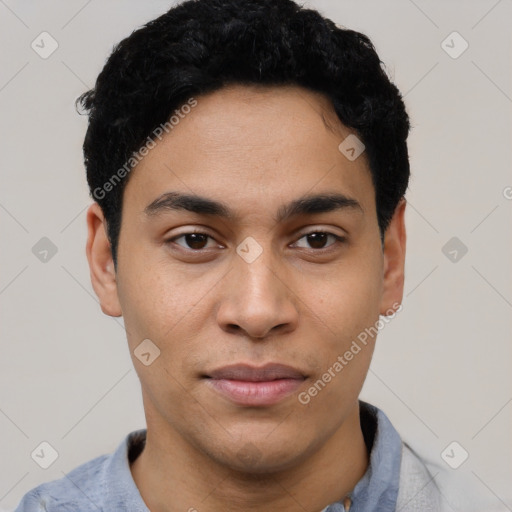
x: 256, y: 393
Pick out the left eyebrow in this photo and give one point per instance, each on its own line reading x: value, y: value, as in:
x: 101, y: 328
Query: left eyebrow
x: 320, y: 203
x: 305, y: 205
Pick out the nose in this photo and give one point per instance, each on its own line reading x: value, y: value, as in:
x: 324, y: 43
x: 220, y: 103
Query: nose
x: 259, y: 299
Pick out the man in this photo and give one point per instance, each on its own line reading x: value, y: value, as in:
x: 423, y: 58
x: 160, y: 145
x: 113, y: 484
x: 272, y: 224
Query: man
x: 248, y: 162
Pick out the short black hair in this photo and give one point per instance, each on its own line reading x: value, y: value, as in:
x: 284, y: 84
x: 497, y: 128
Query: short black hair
x: 200, y: 46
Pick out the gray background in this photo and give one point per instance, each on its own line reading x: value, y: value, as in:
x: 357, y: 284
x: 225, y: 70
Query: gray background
x: 442, y: 367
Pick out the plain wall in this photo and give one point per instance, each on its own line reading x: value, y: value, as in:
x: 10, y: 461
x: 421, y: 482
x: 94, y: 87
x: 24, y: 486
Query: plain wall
x: 442, y: 367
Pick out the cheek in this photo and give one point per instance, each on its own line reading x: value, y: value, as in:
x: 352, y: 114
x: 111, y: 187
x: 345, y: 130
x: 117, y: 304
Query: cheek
x: 171, y: 308
x: 147, y: 305
x: 154, y: 293
x: 346, y: 305
x: 153, y: 305
x: 346, y: 300
x: 155, y: 308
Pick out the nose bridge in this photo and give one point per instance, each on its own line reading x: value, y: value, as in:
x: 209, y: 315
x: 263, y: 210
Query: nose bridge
x: 258, y: 299
x: 255, y: 268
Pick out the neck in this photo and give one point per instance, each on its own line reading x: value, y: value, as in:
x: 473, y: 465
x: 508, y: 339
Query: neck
x: 173, y: 476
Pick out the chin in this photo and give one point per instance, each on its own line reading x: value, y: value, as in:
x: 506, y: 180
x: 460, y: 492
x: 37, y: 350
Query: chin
x: 263, y: 457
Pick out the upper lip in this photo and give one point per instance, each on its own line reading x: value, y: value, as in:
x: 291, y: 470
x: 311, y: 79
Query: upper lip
x: 245, y: 372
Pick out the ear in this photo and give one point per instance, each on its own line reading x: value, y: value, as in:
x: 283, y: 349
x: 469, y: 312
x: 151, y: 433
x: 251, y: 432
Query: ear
x: 394, y: 261
x: 101, y: 264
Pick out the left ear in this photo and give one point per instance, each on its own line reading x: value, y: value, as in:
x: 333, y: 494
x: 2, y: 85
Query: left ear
x: 394, y: 261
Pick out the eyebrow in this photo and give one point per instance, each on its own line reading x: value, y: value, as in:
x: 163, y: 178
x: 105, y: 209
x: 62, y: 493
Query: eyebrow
x: 305, y: 205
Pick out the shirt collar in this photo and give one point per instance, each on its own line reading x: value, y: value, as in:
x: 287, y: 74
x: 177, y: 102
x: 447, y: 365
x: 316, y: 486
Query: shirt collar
x: 121, y: 493
x: 376, y: 491
x: 378, y: 488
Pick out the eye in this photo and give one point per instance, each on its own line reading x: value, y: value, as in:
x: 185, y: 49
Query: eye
x: 194, y: 240
x: 197, y: 241
x: 318, y: 239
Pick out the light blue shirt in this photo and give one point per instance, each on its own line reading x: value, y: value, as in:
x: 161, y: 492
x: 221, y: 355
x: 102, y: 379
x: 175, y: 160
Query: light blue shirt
x: 106, y: 484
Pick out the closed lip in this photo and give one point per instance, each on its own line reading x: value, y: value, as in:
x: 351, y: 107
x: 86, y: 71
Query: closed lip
x: 249, y: 373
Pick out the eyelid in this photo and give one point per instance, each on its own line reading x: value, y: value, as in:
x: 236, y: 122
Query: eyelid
x: 319, y: 230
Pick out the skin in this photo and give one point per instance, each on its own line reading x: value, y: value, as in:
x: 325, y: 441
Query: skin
x: 299, y: 303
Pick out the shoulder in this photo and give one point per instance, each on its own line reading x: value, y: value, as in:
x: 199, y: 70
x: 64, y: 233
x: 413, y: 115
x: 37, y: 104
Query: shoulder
x: 417, y: 490
x: 75, y: 491
x: 102, y: 483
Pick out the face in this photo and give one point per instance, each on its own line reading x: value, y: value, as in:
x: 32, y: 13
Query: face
x: 250, y: 276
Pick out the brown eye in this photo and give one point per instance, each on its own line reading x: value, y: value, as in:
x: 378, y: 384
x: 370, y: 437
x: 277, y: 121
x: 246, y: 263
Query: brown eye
x: 318, y: 239
x: 195, y: 241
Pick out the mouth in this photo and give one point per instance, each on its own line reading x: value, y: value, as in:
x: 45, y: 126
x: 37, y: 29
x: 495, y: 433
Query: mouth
x: 248, y: 385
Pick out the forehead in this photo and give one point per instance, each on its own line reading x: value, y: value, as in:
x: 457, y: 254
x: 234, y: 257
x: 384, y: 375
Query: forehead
x: 252, y: 146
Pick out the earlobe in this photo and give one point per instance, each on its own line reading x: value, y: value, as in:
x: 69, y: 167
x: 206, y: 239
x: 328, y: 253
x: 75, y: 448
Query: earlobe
x: 394, y: 261
x: 101, y: 265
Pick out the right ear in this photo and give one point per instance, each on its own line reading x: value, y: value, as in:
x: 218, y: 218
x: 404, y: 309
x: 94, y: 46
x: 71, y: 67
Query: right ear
x: 101, y: 263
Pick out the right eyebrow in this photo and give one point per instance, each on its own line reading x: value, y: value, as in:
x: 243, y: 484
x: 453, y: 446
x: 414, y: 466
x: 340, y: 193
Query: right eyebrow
x: 189, y: 202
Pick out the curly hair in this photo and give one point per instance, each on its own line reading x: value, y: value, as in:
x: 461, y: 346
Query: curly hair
x: 199, y: 46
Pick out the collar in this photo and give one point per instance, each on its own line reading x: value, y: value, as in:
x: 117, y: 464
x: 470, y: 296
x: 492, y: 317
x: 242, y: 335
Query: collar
x: 376, y: 491
x: 378, y: 488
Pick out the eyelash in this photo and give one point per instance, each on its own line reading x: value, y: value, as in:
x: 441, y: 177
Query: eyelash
x: 338, y: 239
